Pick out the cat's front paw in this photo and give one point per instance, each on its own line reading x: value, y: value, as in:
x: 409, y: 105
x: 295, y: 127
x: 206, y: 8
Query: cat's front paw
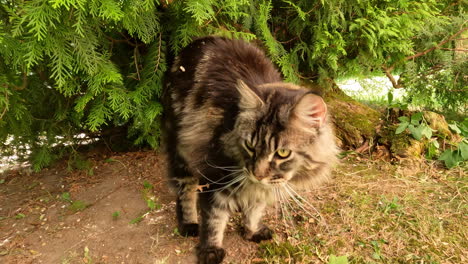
x: 264, y: 233
x: 189, y: 229
x: 211, y: 255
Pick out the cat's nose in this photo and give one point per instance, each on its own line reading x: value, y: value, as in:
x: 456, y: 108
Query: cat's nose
x: 276, y: 177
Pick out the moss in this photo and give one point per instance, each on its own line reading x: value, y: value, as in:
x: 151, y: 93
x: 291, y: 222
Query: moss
x: 437, y: 122
x: 355, y: 123
x: 284, y: 252
x: 401, y: 145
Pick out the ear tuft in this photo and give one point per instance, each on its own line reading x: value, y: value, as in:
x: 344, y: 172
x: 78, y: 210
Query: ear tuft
x: 311, y: 111
x: 248, y: 98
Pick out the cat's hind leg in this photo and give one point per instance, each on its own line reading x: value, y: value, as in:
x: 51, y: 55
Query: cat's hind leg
x: 186, y: 190
x: 186, y: 206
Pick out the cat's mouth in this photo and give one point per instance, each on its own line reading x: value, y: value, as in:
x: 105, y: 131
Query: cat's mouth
x: 275, y: 180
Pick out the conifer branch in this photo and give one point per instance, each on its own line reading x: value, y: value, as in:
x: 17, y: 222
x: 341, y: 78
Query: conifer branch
x: 24, y: 84
x: 159, y: 53
x: 388, y: 70
x: 422, y: 53
x: 6, y: 106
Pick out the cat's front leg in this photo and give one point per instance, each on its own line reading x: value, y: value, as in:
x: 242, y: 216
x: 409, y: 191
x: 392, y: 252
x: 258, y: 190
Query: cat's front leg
x: 254, y: 230
x: 213, y: 223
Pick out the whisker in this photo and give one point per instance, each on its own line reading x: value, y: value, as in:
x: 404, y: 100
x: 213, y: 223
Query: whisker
x: 302, y: 205
x: 288, y: 215
x: 226, y: 168
x: 276, y: 199
x: 237, y: 188
x: 282, y: 212
x: 303, y: 199
x: 234, y: 181
x: 219, y: 181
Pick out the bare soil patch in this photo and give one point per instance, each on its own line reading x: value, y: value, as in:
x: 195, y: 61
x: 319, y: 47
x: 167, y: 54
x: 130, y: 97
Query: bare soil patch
x: 375, y: 212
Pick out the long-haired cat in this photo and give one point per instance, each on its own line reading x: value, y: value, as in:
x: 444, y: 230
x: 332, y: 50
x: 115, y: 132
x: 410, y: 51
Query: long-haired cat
x: 235, y: 133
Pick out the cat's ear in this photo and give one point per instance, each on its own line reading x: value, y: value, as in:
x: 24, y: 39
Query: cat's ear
x: 248, y: 98
x: 311, y: 111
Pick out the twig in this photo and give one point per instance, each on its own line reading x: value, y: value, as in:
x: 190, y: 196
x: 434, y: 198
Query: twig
x: 463, y: 50
x: 422, y: 53
x: 6, y: 106
x: 388, y: 73
x: 209, y: 21
x: 122, y: 40
x: 23, y: 84
x: 135, y: 51
x: 388, y: 70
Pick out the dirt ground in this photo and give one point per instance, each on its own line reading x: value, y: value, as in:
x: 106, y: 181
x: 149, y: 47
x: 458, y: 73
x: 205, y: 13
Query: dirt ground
x: 39, y: 225
x: 118, y: 209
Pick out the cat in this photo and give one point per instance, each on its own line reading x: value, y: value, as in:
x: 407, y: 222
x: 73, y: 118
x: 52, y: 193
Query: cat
x: 235, y: 133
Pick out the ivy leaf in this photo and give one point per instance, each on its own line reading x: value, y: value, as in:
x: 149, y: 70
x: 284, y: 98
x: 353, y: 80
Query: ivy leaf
x: 463, y: 147
x: 426, y: 131
x: 404, y: 119
x: 389, y: 97
x: 416, y: 132
x: 415, y: 118
x: 451, y: 158
x: 401, y: 127
x: 455, y: 128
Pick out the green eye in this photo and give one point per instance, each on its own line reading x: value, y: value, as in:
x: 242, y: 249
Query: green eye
x: 249, y: 146
x: 283, y: 153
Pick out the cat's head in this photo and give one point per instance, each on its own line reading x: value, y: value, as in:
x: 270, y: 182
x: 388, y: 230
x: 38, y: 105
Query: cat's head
x: 280, y: 133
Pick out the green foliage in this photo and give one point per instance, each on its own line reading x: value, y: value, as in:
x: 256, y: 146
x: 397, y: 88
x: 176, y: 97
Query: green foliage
x: 438, y: 79
x: 20, y: 216
x: 338, y: 260
x: 95, y: 67
x: 74, y: 205
x: 416, y: 125
x: 456, y: 153
x: 115, y: 215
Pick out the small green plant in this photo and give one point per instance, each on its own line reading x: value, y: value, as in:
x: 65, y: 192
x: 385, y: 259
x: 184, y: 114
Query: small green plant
x: 417, y: 126
x: 115, y: 215
x: 176, y: 231
x: 137, y: 219
x: 20, y: 216
x: 150, y: 199
x: 458, y: 153
x: 377, y: 255
x: 389, y: 206
x: 278, y: 252
x: 337, y: 260
x: 77, y: 205
x: 74, y: 206
x: 86, y: 256
x: 66, y: 197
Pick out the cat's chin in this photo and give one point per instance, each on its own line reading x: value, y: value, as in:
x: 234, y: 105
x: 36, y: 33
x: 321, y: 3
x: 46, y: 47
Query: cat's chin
x: 267, y: 182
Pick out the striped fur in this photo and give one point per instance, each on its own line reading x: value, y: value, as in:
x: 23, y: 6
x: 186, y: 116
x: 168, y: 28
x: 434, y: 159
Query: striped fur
x: 227, y: 114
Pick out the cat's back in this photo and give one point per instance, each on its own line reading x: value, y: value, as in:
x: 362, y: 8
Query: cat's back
x: 211, y: 66
x: 201, y: 98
